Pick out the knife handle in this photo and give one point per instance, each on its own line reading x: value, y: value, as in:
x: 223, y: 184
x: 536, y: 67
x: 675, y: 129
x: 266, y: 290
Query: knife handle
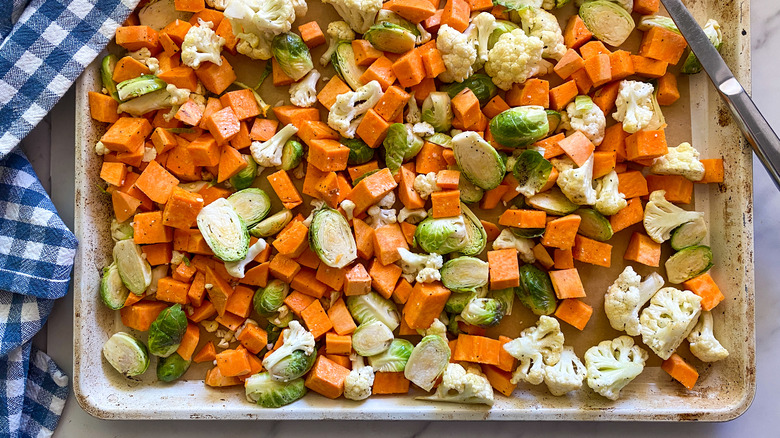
x: 754, y: 126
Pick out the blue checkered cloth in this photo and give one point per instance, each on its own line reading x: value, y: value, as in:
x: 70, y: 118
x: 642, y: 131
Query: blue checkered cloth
x: 44, y: 47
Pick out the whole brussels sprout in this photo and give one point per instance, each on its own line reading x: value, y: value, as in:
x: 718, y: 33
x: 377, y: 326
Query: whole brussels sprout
x: 292, y: 54
x: 269, y: 299
x: 536, y: 291
x: 246, y: 176
x: 437, y: 111
x: 520, y: 126
x: 171, y: 368
x: 359, y: 151
x: 167, y: 331
x: 480, y: 84
x: 400, y: 144
x: 269, y: 393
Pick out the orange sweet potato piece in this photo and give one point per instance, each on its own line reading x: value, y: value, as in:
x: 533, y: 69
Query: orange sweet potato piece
x: 381, y: 71
x: 384, y: 277
x: 713, y: 170
x: 341, y: 319
x: 680, y: 370
x: 569, y: 63
x: 357, y: 281
x: 372, y: 129
x: 430, y: 158
x: 560, y: 232
x: 207, y: 353
x: 334, y: 87
x: 296, y: 116
x: 456, y: 14
x: 102, y: 108
x: 648, y: 68
x: 477, y: 349
x: 149, y: 228
x: 242, y: 102
x: 567, y: 283
x: 446, y: 203
x: 663, y: 45
x: 678, y: 188
x: 387, y: 239
x: 591, y: 251
x: 632, y: 184
x: 504, y: 268
x: 390, y: 383
x: 216, y: 78
x: 392, y: 103
x: 644, y: 250
x: 327, y: 378
x: 562, y: 95
x: 253, y: 338
x: 576, y: 32
x: 705, y: 287
x: 574, y: 312
x: 127, y: 134
x: 413, y: 10
x: 140, y: 316
x: 371, y: 189
x: 283, y: 187
x: 645, y: 145
x: 599, y: 69
x: 316, y: 319
x: 668, y: 93
x: 425, y: 304
x: 311, y: 34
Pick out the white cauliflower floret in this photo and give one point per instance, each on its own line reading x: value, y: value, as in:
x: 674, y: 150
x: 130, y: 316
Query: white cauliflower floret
x: 379, y: 217
x: 544, y: 25
x: 423, y: 129
x: 144, y: 55
x: 462, y: 385
x: 304, y: 92
x: 634, y: 105
x: 565, y: 376
x: 609, y: 200
x: 101, y: 149
x: 349, y: 208
x: 457, y: 53
x: 668, y: 319
x: 254, y: 46
x: 681, y: 160
x: 150, y: 153
x: 337, y: 31
x: 507, y: 240
x: 269, y: 153
x: 485, y: 24
x: 612, y: 365
x: 425, y: 184
x: 179, y: 96
x: 536, y: 347
x: 412, y: 216
x: 217, y: 4
x: 348, y: 110
x: 316, y: 205
x: 387, y: 201
x: 413, y: 114
x: 420, y: 267
x: 437, y: 328
x: 201, y: 44
x: 704, y: 345
x: 577, y: 184
x: 358, y: 383
x: 300, y: 7
x: 360, y: 14
x: 236, y: 269
x: 514, y: 58
x: 424, y: 37
x: 260, y: 17
x: 295, y: 338
x: 661, y: 217
x: 588, y: 119
x: 626, y: 296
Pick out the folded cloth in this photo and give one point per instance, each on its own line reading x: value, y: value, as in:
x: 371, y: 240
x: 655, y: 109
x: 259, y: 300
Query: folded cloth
x: 44, y: 47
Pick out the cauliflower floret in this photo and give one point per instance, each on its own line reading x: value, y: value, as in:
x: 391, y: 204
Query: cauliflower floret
x: 269, y: 153
x: 424, y: 37
x: 337, y: 31
x: 661, y: 217
x: 316, y: 205
x: 144, y: 55
x: 485, y: 24
x: 609, y: 200
x: 457, y: 52
x: 358, y: 383
x: 201, y: 44
x: 612, y: 365
x: 704, y: 345
x: 345, y: 115
x: 420, y: 267
x: 682, y: 160
x: 304, y: 92
x: 668, y: 319
x: 507, y: 240
x: 150, y: 154
x: 379, y: 217
x: 514, y: 58
x: 423, y: 129
x: 295, y: 338
x: 589, y: 119
x: 626, y: 296
x: 236, y: 269
x: 544, y: 25
x: 536, y: 347
x: 565, y: 376
x: 634, y: 105
x: 412, y: 216
x: 260, y: 16
x: 300, y: 7
x: 101, y: 149
x: 463, y: 385
x: 217, y: 4
x: 349, y: 208
x: 179, y: 96
x: 360, y: 14
x: 577, y: 184
x: 425, y: 184
x: 255, y: 46
x: 437, y: 328
x: 387, y: 201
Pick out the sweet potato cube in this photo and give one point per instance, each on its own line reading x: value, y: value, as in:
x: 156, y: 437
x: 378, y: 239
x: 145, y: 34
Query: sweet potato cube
x: 357, y: 281
x: 567, y: 284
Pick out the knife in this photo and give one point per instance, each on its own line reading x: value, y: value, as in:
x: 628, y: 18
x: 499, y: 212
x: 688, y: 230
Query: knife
x: 754, y: 126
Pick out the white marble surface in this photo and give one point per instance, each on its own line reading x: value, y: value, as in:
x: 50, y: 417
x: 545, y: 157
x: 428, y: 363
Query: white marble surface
x: 762, y: 419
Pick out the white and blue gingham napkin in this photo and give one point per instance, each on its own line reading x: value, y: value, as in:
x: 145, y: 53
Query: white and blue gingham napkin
x: 44, y: 47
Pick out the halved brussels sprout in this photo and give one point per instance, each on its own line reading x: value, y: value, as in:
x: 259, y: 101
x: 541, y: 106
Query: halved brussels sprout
x: 531, y: 171
x: 608, y: 21
x: 689, y: 234
x: 292, y: 54
x: 527, y: 233
x: 126, y: 354
x: 272, y: 225
x: 502, y: 27
x: 464, y: 274
x: 554, y: 120
x: 536, y: 291
x: 478, y: 161
x: 440, y: 139
x: 437, y: 111
x: 292, y: 366
x: 469, y: 193
x: 121, y: 230
x: 476, y: 236
x: 134, y: 270
x: 359, y: 151
x: 251, y: 205
x: 457, y: 302
x: 224, y: 231
x: 268, y: 393
x: 427, y: 361
x: 137, y: 87
x: 506, y: 297
x: 594, y: 225
x: 112, y: 290
x: 714, y: 34
x: 246, y: 176
x: 167, y: 331
x: 139, y: 106
x: 650, y: 21
x: 688, y: 263
x: 343, y: 60
x: 172, y: 367
x: 520, y: 126
x: 392, y: 360
x: 386, y: 15
x: 400, y: 144
x: 373, y: 307
x: 483, y: 312
x: 371, y: 338
x: 442, y: 235
x: 292, y: 154
x: 107, y: 67
x: 267, y: 300
x: 479, y: 83
x: 552, y: 202
x: 389, y: 37
x: 331, y: 238
x: 513, y: 5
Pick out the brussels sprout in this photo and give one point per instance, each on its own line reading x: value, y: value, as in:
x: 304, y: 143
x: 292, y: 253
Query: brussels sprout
x: 246, y: 176
x: 274, y: 331
x: 171, y: 368
x: 121, y: 230
x: 457, y: 302
x: 134, y: 270
x: 608, y: 21
x: 137, y: 87
x: 478, y: 161
x: 688, y: 263
x: 167, y: 331
x: 292, y: 366
x: 268, y: 393
x: 292, y: 154
x: 452, y: 325
x: 107, y: 67
x: 714, y: 34
x: 282, y: 318
x: 331, y: 238
x: 464, y: 274
x: 502, y: 27
x: 554, y: 120
x: 594, y: 225
x: 527, y: 233
x: 437, y: 111
x: 442, y: 236
x: 359, y: 151
x: 531, y: 171
x: 440, y: 139
x: 513, y: 5
x: 386, y: 15
x: 112, y: 290
x: 292, y: 54
x: 427, y: 361
x: 371, y: 338
x: 400, y: 144
x: 469, y: 193
x: 389, y: 37
x: 224, y: 231
x: 552, y: 202
x: 520, y: 126
x: 139, y: 106
x: 344, y: 63
x: 650, y: 21
x: 536, y: 291
x: 689, y: 234
x: 251, y: 205
x: 269, y: 299
x: 159, y: 13
x: 480, y: 84
x: 506, y: 297
x: 392, y: 360
x: 476, y: 236
x: 483, y: 312
x: 126, y: 354
x: 373, y: 307
x: 272, y: 225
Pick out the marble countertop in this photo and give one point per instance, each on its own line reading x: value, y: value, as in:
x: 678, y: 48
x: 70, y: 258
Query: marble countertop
x: 55, y: 167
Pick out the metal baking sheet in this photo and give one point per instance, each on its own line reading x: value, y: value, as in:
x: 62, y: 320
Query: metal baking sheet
x: 724, y: 390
